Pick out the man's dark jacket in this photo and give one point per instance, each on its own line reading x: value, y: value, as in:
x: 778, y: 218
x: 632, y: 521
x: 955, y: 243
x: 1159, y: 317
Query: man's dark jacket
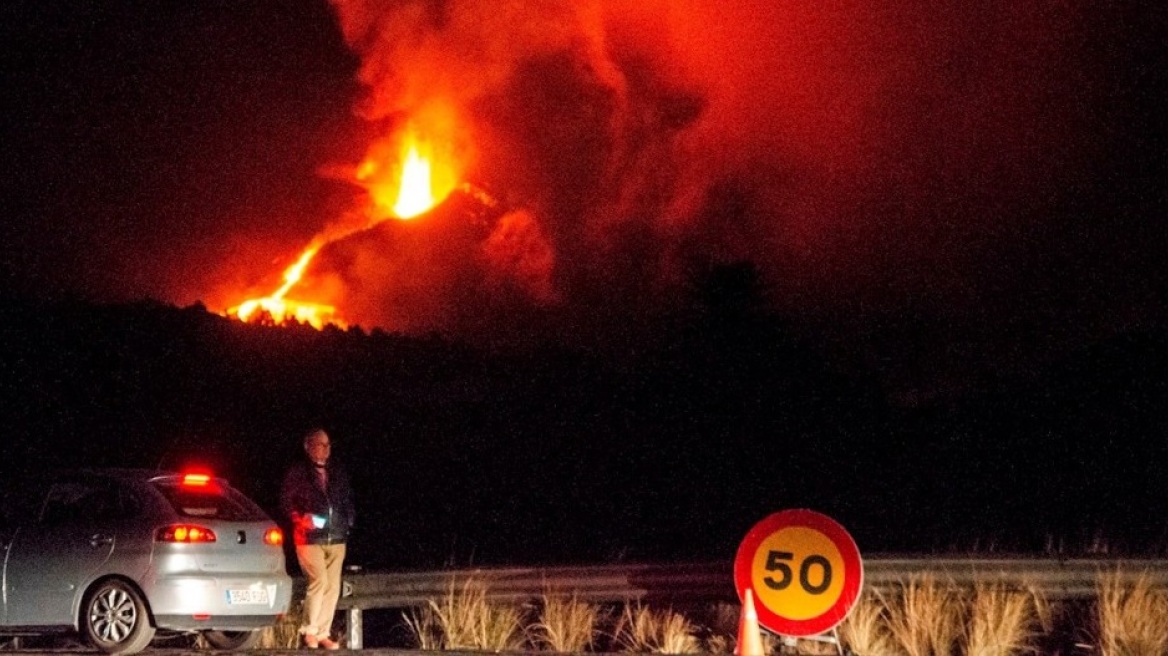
x: 302, y: 494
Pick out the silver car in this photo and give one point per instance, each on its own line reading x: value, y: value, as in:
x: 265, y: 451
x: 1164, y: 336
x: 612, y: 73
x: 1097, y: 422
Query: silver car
x: 116, y: 555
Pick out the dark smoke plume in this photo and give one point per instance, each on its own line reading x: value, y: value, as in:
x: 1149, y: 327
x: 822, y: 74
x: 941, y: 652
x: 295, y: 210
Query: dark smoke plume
x: 845, y: 148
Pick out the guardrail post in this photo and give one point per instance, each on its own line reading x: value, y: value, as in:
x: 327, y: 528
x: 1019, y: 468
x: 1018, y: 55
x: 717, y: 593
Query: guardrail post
x: 353, y: 626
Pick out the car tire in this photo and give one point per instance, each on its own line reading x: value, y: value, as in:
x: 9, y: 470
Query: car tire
x: 114, y: 618
x: 233, y: 640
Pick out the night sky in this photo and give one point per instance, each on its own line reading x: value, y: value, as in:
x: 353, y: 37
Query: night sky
x: 943, y: 198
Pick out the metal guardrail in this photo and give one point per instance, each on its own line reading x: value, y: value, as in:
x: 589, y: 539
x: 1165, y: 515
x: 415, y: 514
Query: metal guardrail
x: 1074, y: 578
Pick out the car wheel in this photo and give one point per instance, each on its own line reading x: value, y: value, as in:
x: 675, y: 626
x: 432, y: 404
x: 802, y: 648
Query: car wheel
x: 115, y: 619
x: 233, y: 640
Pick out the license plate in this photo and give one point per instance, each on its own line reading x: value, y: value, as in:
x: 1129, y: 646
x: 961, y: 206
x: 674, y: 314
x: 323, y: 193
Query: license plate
x: 247, y: 597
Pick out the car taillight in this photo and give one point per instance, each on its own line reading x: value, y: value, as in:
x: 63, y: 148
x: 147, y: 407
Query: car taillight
x: 274, y: 536
x: 196, y: 480
x: 185, y: 533
x: 199, y: 482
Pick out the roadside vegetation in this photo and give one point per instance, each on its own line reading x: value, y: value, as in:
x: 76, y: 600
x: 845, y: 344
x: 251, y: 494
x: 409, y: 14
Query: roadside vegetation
x: 924, y: 616
x: 927, y: 616
x: 1131, y: 621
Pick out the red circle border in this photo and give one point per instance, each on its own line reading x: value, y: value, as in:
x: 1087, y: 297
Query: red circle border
x: 853, y: 571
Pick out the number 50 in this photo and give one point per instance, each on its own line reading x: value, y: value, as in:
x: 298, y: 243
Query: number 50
x: 777, y: 562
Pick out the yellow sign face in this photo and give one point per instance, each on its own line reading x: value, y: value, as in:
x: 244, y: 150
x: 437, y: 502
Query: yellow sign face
x: 798, y: 572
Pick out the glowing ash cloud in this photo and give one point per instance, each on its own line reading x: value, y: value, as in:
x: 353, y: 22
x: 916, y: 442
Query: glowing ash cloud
x: 823, y: 141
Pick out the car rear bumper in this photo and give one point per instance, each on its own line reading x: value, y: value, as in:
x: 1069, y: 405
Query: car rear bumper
x: 205, y: 602
x: 217, y: 623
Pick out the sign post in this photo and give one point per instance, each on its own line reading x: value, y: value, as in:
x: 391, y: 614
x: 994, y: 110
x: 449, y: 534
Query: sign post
x: 804, y: 570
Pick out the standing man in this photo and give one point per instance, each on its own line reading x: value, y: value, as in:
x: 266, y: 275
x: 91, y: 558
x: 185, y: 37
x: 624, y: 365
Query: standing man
x: 317, y: 497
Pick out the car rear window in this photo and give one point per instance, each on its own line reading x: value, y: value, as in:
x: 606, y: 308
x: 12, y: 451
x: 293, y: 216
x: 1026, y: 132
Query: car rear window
x: 214, y: 501
x: 82, y: 499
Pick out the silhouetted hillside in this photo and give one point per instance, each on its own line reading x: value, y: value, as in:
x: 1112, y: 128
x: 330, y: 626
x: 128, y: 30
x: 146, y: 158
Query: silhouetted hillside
x: 669, y: 447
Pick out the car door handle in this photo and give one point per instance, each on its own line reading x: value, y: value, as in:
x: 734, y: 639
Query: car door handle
x: 100, y: 540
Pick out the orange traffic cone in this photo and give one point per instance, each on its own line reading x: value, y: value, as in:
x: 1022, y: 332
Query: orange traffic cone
x: 749, y: 635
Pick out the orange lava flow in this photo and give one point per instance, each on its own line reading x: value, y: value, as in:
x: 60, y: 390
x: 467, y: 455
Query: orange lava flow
x: 403, y: 193
x: 280, y: 310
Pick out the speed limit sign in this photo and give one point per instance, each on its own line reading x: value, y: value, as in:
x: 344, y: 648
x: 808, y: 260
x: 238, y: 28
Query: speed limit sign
x: 804, y: 570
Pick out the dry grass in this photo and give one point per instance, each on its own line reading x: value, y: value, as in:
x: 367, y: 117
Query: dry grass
x: 285, y: 634
x: 722, y: 635
x: 929, y: 618
x: 423, y: 625
x: 644, y: 630
x: 465, y: 619
x: 771, y: 643
x: 865, y: 631
x: 1001, y: 620
x: 723, y: 620
x: 719, y: 644
x: 926, y: 617
x: 566, y: 624
x: 1132, y: 621
x: 816, y: 647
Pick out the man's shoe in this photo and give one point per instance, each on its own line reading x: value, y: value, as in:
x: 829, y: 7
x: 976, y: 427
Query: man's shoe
x: 327, y: 643
x: 311, y: 642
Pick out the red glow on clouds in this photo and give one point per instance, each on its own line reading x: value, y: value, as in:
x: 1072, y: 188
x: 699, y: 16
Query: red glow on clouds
x: 823, y: 141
